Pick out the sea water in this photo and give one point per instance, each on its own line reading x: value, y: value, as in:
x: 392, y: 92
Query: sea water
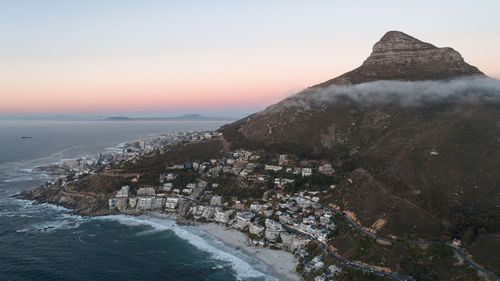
x: 47, y: 242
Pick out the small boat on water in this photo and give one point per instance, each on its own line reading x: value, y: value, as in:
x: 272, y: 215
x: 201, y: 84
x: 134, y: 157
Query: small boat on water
x: 26, y: 137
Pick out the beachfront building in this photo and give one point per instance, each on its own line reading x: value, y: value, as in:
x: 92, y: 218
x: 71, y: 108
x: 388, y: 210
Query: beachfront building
x: 171, y: 203
x: 222, y: 216
x: 145, y: 203
x: 203, y: 212
x: 121, y: 203
x: 159, y: 203
x: 272, y: 235
x: 243, y: 219
x: 256, y: 229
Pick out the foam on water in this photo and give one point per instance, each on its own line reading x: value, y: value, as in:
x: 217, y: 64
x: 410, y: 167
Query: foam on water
x: 64, y: 221
x: 242, y: 268
x: 19, y: 179
x: 59, y: 217
x: 118, y: 148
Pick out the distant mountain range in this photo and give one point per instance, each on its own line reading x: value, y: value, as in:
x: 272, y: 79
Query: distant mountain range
x: 186, y: 117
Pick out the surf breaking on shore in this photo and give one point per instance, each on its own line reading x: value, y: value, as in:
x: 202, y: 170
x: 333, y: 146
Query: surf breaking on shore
x: 248, y: 262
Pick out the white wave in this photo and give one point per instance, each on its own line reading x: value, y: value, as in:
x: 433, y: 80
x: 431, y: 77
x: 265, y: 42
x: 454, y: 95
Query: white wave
x: 59, y: 217
x: 29, y: 206
x: 118, y: 147
x: 242, y: 268
x: 27, y: 170
x: 19, y: 179
x: 64, y: 221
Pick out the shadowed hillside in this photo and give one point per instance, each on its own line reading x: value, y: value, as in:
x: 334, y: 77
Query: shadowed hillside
x: 422, y: 156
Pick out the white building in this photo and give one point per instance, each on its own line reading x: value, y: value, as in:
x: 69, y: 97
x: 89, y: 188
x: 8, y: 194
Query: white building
x: 256, y: 229
x: 271, y: 235
x: 273, y: 225
x: 159, y: 203
x: 255, y: 207
x: 216, y: 200
x: 121, y: 203
x: 306, y: 172
x: 243, y: 219
x: 172, y: 203
x: 202, y: 184
x: 222, y: 216
x: 168, y: 186
x: 285, y: 219
x: 149, y: 191
x: 123, y: 192
x: 145, y: 203
x: 327, y: 169
x: 273, y: 168
x: 287, y: 239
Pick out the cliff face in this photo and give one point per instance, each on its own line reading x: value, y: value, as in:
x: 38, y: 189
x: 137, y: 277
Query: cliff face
x: 87, y: 196
x: 81, y: 204
x: 398, y: 56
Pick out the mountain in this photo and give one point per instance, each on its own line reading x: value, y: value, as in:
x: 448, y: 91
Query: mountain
x: 398, y: 56
x: 118, y: 118
x: 413, y: 133
x: 185, y: 117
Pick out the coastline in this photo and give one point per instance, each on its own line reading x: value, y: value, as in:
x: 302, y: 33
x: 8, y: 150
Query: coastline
x: 281, y: 263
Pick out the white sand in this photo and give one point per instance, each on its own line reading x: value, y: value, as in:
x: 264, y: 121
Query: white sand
x: 281, y: 263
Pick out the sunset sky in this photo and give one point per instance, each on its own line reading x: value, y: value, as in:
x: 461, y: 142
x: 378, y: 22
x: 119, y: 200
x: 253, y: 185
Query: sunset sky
x: 171, y: 57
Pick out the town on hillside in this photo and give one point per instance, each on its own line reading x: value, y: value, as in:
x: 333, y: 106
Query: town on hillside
x: 276, y: 200
x: 277, y: 219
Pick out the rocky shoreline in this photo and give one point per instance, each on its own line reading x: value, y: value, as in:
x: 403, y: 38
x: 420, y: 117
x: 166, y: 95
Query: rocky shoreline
x: 81, y: 204
x: 281, y: 263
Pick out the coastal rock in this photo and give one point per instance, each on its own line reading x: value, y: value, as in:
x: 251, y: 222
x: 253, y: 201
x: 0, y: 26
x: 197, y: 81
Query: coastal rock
x: 80, y: 204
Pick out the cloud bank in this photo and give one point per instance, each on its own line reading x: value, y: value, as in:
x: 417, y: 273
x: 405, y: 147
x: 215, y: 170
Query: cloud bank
x: 406, y: 93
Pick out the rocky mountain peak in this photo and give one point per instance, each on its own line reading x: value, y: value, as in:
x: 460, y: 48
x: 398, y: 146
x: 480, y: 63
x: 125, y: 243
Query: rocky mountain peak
x: 394, y: 41
x: 399, y: 56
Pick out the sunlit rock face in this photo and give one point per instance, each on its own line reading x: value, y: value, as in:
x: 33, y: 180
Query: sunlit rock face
x: 398, y: 56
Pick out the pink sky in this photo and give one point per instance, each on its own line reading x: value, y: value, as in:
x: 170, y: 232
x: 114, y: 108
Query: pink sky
x: 118, y: 57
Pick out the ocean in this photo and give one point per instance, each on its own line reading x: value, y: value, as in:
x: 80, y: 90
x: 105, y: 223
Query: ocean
x: 46, y: 242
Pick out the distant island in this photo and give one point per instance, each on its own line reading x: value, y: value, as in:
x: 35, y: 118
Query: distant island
x: 186, y: 117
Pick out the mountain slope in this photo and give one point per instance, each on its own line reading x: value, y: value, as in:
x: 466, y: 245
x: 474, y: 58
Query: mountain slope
x: 422, y: 155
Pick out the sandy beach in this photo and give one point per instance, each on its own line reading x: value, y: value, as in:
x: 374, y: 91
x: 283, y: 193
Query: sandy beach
x: 282, y: 263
